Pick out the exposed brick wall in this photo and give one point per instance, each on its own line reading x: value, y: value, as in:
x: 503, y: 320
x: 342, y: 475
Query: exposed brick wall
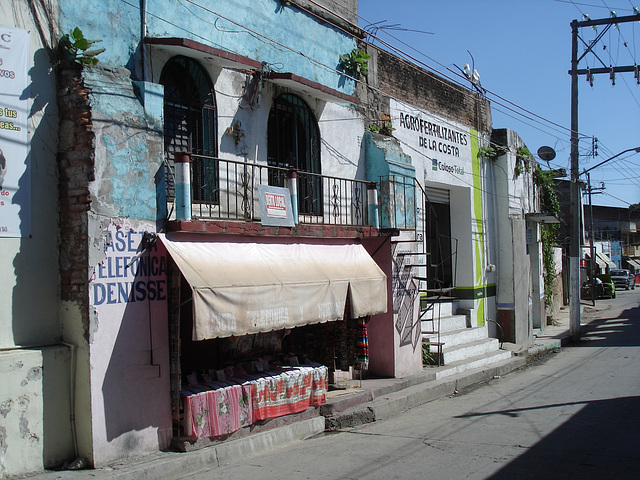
x: 75, y: 167
x: 412, y: 84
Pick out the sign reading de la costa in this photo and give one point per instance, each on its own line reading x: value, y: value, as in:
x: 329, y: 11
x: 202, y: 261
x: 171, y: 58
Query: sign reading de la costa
x: 443, y: 145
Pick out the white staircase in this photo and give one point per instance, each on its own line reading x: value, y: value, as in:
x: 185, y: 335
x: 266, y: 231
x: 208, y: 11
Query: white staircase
x: 453, y: 342
x: 462, y: 347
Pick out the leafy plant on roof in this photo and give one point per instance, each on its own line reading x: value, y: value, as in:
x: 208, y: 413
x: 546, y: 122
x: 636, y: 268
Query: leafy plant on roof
x: 488, y: 153
x: 385, y: 129
x: 523, y: 160
x: 355, y: 63
x: 78, y: 49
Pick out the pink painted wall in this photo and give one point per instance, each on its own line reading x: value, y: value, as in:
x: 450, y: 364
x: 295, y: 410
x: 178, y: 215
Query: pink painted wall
x: 380, y: 327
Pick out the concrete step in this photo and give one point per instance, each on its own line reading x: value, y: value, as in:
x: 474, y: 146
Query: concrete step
x: 484, y: 360
x: 443, y: 309
x: 457, y: 337
x: 448, y: 323
x: 468, y: 350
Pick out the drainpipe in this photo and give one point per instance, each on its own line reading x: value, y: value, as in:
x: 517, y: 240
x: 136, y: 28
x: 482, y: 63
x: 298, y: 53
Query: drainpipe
x: 72, y: 397
x: 182, y: 185
x: 372, y: 204
x: 143, y: 33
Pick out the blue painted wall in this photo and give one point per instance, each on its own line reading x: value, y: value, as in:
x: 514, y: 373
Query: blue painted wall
x: 284, y: 37
x: 127, y: 123
x: 397, y: 198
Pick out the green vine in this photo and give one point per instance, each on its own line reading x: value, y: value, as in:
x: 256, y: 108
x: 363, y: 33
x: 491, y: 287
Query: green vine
x: 355, y: 63
x: 491, y: 153
x: 385, y: 129
x: 549, y: 232
x: 523, y: 160
x: 76, y: 48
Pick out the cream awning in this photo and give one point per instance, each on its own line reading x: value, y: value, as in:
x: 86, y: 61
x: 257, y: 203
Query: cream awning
x: 606, y: 260
x: 634, y: 262
x: 242, y: 288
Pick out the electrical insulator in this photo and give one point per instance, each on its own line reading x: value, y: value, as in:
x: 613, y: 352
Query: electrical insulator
x: 636, y: 74
x: 612, y: 76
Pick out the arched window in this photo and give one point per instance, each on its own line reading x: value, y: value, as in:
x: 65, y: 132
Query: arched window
x: 294, y: 142
x: 191, y: 123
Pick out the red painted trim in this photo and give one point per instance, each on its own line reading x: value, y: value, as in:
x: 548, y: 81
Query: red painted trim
x: 314, y: 85
x: 201, y: 47
x: 257, y: 229
x: 249, y: 63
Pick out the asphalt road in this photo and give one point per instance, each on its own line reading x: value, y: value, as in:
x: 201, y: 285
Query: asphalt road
x: 573, y: 414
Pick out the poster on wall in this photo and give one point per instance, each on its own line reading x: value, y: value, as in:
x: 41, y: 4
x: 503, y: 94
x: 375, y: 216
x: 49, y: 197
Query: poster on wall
x: 15, y: 191
x: 442, y: 146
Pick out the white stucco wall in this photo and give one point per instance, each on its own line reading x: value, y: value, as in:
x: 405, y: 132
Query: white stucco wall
x: 128, y: 345
x: 520, y: 292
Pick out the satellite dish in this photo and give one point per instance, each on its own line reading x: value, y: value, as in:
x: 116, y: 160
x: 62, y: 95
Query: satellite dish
x: 546, y: 153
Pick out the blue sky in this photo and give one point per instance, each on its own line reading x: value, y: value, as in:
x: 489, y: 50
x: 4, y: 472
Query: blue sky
x: 522, y: 51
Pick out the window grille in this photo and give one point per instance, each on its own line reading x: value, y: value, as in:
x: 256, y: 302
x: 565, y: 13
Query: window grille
x: 294, y: 143
x: 191, y: 125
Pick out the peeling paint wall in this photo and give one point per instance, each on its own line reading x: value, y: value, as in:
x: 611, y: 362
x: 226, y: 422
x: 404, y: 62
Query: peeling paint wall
x: 34, y: 366
x: 127, y: 324
x: 128, y: 153
x: 34, y: 410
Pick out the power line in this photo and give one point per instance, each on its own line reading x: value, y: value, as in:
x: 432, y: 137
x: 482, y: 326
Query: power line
x: 405, y: 55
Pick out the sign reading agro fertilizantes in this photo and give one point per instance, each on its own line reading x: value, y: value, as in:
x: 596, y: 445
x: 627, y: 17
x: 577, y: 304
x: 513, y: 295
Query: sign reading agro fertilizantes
x: 15, y: 192
x: 442, y: 146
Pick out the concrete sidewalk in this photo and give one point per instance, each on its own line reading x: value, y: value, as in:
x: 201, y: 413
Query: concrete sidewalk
x: 370, y: 400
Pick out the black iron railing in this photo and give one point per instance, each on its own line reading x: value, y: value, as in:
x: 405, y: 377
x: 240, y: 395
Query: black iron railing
x: 228, y: 190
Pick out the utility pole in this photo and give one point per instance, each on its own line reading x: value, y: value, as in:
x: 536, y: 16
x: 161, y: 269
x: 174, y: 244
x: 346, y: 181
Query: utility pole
x: 575, y: 200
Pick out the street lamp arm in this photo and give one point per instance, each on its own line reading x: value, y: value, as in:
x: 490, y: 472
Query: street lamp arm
x: 636, y: 149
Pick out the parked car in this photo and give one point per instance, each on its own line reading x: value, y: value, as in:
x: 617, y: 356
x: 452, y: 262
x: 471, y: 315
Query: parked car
x: 604, y: 288
x: 623, y: 279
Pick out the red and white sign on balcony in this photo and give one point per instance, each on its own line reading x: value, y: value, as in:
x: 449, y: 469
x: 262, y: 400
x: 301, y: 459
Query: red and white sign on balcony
x: 275, y: 206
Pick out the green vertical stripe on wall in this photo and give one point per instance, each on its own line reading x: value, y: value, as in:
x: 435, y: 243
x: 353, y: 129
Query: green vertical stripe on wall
x: 477, y: 214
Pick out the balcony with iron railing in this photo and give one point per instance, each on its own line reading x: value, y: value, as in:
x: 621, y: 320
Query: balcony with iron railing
x: 221, y: 190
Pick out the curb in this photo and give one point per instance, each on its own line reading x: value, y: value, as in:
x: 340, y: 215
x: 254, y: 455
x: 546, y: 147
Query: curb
x: 379, y: 404
x: 388, y: 405
x: 171, y: 465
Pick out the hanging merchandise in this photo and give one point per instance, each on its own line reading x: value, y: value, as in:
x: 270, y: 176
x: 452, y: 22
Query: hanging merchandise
x: 363, y: 344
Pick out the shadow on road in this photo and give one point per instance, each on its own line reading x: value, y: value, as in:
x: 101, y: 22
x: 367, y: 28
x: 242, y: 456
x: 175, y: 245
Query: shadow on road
x: 621, y: 331
x: 602, y: 440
